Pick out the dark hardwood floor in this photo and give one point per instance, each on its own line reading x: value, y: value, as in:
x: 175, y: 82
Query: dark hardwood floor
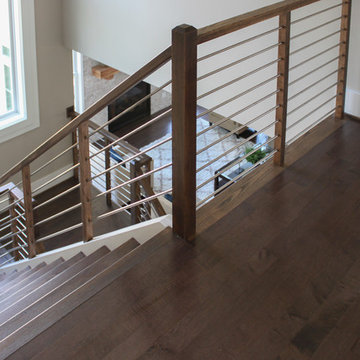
x: 278, y: 278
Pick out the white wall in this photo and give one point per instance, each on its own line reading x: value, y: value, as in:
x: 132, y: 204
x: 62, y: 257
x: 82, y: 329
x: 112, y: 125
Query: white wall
x: 54, y: 68
x: 126, y: 35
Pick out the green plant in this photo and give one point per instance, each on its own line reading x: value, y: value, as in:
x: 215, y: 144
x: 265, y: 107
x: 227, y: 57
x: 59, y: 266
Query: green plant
x: 256, y: 156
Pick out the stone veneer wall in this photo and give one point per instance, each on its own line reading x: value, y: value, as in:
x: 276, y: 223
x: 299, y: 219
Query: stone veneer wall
x: 94, y: 89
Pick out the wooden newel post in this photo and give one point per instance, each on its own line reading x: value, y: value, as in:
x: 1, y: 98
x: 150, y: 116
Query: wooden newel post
x: 343, y: 60
x: 85, y: 181
x: 282, y: 86
x: 108, y: 174
x: 134, y: 193
x: 29, y: 214
x: 184, y: 74
x: 14, y: 230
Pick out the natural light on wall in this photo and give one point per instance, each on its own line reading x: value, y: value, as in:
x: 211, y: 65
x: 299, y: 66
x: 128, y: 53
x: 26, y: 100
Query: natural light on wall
x: 19, y: 109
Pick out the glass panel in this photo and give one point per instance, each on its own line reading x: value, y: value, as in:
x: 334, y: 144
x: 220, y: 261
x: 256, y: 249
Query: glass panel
x: 6, y: 75
x: 5, y: 51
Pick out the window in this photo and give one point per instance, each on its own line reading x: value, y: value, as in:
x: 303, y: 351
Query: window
x: 19, y: 108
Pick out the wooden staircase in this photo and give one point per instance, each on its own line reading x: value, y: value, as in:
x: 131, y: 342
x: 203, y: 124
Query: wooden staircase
x: 33, y: 299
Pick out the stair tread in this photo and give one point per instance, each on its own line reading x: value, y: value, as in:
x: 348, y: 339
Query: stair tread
x: 22, y: 276
x: 25, y: 290
x: 93, y: 286
x: 13, y: 275
x: 41, y: 291
x: 28, y: 280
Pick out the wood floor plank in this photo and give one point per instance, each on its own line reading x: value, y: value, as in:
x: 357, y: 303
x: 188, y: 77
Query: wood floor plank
x: 277, y: 278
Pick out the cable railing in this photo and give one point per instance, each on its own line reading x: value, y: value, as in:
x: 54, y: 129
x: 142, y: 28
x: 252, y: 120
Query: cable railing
x: 242, y: 90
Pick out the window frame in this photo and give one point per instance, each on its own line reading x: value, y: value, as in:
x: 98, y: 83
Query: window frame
x: 24, y: 116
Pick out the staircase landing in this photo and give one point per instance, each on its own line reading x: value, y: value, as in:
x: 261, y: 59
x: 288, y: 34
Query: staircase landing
x: 278, y: 278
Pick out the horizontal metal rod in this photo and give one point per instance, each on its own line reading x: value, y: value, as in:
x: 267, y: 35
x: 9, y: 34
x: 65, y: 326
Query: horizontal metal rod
x: 237, y: 96
x: 71, y: 208
x: 150, y: 198
x: 70, y: 228
x: 15, y: 203
x: 20, y: 214
x: 239, y: 44
x: 102, y: 185
x: 56, y: 197
x: 313, y: 84
x: 4, y: 227
x: 235, y: 162
x: 311, y: 99
x: 131, y: 108
x: 54, y: 158
x: 317, y: 28
x: 6, y: 199
x: 120, y: 200
x: 236, y: 114
x: 21, y: 207
x: 323, y: 117
x: 134, y: 156
x: 113, y: 174
x: 22, y: 239
x: 4, y: 219
x: 315, y: 42
x: 238, y: 79
x: 98, y: 163
x: 150, y: 122
x: 6, y: 236
x: 20, y: 223
x: 5, y: 245
x: 144, y: 175
x: 244, y: 173
x: 239, y: 144
x: 56, y: 177
x: 316, y: 13
x: 202, y: 77
x: 310, y: 113
x: 314, y: 70
x: 242, y: 126
x: 7, y: 261
x: 13, y: 249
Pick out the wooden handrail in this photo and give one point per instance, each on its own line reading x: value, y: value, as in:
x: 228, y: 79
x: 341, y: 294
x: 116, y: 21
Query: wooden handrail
x: 107, y: 99
x: 235, y: 23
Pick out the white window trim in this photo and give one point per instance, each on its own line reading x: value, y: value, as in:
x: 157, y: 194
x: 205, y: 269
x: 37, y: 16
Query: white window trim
x: 28, y: 116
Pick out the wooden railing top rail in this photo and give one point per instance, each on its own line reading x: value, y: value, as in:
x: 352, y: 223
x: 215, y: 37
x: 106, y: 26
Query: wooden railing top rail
x: 235, y: 23
x: 107, y: 99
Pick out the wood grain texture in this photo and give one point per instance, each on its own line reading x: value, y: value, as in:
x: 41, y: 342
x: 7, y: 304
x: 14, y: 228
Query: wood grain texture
x: 344, y: 58
x: 235, y: 23
x: 226, y: 201
x: 282, y: 87
x: 277, y: 278
x: 85, y: 182
x: 29, y: 214
x: 184, y: 88
x: 15, y: 238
